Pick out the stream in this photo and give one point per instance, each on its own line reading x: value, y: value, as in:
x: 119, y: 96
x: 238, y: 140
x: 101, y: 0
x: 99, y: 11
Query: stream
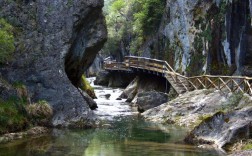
x: 123, y: 133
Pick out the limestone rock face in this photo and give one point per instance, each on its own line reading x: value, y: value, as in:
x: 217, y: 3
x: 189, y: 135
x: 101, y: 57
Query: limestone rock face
x: 191, y: 108
x: 96, y: 67
x: 203, y: 36
x: 6, y: 90
x: 56, y: 42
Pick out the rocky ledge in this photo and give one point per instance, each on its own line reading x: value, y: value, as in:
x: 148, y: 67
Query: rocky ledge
x: 36, y: 131
x: 212, y: 117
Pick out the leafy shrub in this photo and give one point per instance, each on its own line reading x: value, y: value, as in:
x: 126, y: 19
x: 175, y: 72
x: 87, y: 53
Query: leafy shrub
x: 6, y: 41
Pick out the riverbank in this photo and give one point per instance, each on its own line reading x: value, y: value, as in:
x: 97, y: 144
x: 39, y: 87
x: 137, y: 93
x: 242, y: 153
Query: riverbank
x: 18, y: 114
x: 212, y: 117
x: 35, y: 131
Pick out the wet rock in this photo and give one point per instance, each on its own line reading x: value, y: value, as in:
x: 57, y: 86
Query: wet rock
x: 107, y: 96
x: 150, y: 99
x: 223, y: 128
x: 191, y: 108
x: 102, y: 78
x: 130, y: 91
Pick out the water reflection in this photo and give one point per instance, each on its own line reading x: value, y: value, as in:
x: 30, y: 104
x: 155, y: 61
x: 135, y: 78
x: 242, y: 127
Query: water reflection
x: 128, y: 136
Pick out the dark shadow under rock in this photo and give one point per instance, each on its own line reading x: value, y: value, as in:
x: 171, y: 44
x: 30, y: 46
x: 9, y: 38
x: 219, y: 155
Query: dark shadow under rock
x: 102, y: 78
x: 144, y: 83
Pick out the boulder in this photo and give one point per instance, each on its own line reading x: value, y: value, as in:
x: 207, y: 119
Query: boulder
x: 144, y: 83
x: 150, y: 99
x: 223, y: 128
x: 131, y: 90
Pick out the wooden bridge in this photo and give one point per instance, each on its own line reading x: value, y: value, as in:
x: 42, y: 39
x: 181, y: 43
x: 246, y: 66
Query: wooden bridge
x: 179, y: 82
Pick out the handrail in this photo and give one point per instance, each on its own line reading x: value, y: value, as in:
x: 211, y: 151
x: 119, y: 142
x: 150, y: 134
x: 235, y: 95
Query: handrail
x: 180, y: 82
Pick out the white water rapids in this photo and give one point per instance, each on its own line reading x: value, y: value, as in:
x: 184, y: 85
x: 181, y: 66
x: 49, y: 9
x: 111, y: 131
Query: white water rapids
x: 109, y: 108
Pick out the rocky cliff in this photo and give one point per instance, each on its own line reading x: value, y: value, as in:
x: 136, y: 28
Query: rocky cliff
x: 56, y: 41
x: 210, y: 36
x: 194, y: 36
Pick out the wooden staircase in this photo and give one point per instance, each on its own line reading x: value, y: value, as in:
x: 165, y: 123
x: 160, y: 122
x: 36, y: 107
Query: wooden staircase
x: 178, y: 84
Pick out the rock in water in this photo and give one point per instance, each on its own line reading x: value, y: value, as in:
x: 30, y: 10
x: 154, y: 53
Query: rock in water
x: 107, y: 96
x: 222, y: 129
x: 58, y: 42
x: 150, y: 99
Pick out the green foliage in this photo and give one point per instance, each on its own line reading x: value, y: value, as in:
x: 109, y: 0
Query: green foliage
x: 85, y: 86
x: 148, y: 15
x: 6, y: 41
x: 13, y: 115
x: 247, y: 146
x: 131, y: 23
x: 118, y: 5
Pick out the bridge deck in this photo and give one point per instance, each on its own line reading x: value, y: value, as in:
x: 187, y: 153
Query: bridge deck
x: 179, y: 82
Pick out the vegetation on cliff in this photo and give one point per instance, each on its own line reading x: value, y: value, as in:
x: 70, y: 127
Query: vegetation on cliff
x: 131, y: 22
x: 16, y: 112
x: 6, y: 41
x: 85, y: 86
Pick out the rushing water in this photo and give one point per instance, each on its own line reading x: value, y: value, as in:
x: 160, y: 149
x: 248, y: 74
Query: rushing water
x: 123, y: 134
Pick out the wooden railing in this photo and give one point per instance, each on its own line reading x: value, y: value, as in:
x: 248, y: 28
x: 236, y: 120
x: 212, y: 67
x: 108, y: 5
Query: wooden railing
x: 180, y: 82
x: 223, y: 83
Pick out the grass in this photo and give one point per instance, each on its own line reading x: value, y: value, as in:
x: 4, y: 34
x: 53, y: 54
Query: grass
x: 13, y: 116
x: 17, y: 115
x: 40, y: 112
